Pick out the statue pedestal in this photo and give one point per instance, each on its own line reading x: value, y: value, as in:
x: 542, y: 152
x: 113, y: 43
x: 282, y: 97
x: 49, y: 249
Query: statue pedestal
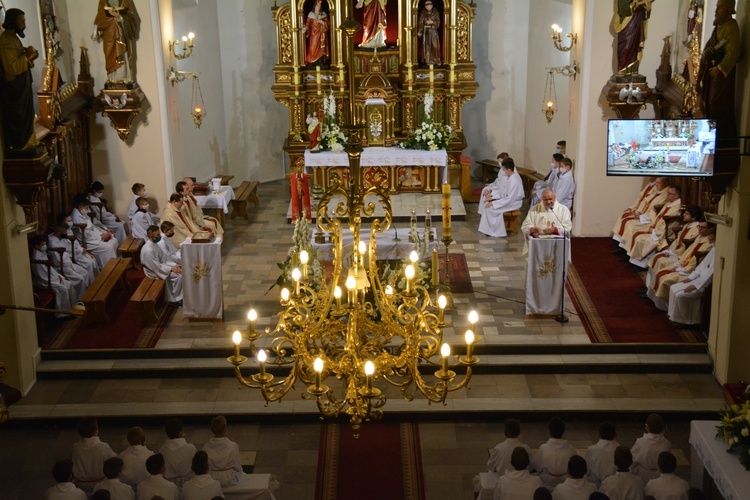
x: 121, y: 105
x: 627, y: 95
x: 26, y: 177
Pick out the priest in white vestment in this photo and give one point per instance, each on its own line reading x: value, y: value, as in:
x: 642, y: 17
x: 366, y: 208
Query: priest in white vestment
x: 547, y: 217
x: 511, y: 198
x: 95, y: 237
x: 645, y: 241
x: 156, y: 264
x: 224, y: 462
x: 47, y: 277
x: 89, y: 454
x: 652, y: 195
x: 549, y: 180
x: 685, y: 296
x: 195, y: 210
x: 565, y: 186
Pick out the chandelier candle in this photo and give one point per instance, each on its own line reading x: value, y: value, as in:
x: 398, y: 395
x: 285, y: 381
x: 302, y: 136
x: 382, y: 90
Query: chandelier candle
x: 262, y: 362
x: 369, y: 371
x: 445, y: 351
x: 296, y: 276
x: 446, y: 211
x: 236, y: 338
x: 252, y: 316
x: 469, y: 344
x: 304, y: 258
x: 409, y: 273
x: 337, y: 296
x: 442, y: 302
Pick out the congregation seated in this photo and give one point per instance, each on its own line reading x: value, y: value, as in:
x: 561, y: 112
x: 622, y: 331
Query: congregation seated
x: 94, y: 237
x: 623, y: 484
x: 565, y: 186
x: 183, y: 226
x: 641, y: 236
x: 65, y: 489
x: 178, y: 453
x: 113, y: 468
x: 134, y: 457
x: 575, y: 485
x: 551, y: 460
x: 194, y: 211
x: 654, y: 194
x: 157, y: 265
x: 647, y: 448
x: 667, y: 485
x: 167, y: 233
x: 201, y: 486
x: 549, y: 180
x: 141, y: 219
x: 508, y: 198
x: 685, y: 235
x: 155, y: 484
x: 106, y: 217
x: 89, y: 454
x: 500, y: 458
x: 599, y: 455
x: 47, y: 277
x: 517, y: 483
x: 78, y: 275
x: 685, y: 296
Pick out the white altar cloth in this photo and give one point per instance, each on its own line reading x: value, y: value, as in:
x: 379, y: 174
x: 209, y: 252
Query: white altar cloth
x: 730, y: 477
x: 379, y: 156
x: 487, y: 482
x: 217, y: 201
x: 544, y: 275
x: 202, y: 285
x: 387, y: 248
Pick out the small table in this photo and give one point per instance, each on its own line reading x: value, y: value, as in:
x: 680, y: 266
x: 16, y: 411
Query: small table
x: 709, y: 455
x: 202, y: 285
x: 544, y: 275
x: 388, y: 248
x: 218, y: 202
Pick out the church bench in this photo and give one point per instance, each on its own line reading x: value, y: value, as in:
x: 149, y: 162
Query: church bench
x: 465, y: 181
x: 224, y: 179
x: 146, y: 297
x: 529, y: 178
x: 490, y: 169
x: 131, y: 248
x: 511, y: 220
x: 248, y: 191
x: 95, y: 297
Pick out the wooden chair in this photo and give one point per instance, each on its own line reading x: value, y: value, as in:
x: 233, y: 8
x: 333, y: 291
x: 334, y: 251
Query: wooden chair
x: 248, y: 191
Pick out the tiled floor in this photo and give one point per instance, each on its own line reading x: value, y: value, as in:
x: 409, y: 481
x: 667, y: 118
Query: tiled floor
x: 453, y: 451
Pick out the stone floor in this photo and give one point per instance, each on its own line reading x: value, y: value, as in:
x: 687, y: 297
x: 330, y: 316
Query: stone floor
x: 454, y: 448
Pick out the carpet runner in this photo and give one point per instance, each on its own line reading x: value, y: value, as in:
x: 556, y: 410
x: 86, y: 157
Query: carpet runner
x: 603, y: 291
x: 123, y: 331
x: 385, y: 462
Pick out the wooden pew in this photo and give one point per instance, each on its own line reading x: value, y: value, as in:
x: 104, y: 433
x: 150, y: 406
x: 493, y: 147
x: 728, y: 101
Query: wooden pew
x: 131, y: 248
x: 95, y: 298
x: 511, y: 220
x: 248, y: 191
x: 146, y: 297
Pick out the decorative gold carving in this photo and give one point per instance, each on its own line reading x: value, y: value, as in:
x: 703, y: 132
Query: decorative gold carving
x: 409, y: 114
x: 285, y: 35
x: 462, y: 36
x: 201, y: 270
x: 465, y: 75
x: 121, y: 107
x: 283, y: 77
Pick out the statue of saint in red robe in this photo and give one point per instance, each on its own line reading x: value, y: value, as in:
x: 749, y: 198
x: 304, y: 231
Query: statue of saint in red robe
x: 373, y: 23
x: 317, y: 26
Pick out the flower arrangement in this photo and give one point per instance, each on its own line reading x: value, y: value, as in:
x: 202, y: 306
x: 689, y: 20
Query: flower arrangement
x: 331, y: 137
x: 430, y: 135
x: 636, y: 161
x: 735, y: 428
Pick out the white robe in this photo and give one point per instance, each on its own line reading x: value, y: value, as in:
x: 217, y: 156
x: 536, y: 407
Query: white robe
x: 86, y: 274
x: 140, y: 222
x: 102, y: 250
x: 541, y: 185
x: 623, y: 486
x: 511, y: 198
x: 495, y: 186
x: 600, y: 461
x: 224, y: 462
x: 63, y: 289
x: 134, y: 464
x: 565, y: 189
x: 110, y: 220
x: 165, y: 243
x: 84, y: 258
x: 668, y: 487
x: 88, y: 456
x: 646, y: 454
x: 156, y: 485
x: 178, y: 456
x: 201, y: 487
x: 132, y: 207
x: 551, y: 461
x: 516, y: 485
x: 685, y: 307
x: 157, y: 265
x: 500, y: 457
x: 117, y: 489
x: 573, y: 489
x: 65, y: 491
x: 539, y: 216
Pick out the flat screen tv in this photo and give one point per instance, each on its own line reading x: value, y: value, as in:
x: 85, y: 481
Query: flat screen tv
x: 661, y: 147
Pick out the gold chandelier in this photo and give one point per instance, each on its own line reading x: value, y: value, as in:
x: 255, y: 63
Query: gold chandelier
x: 374, y: 334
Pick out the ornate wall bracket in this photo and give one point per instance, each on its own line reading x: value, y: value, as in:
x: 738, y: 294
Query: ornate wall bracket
x: 626, y: 97
x: 121, y: 107
x: 26, y: 178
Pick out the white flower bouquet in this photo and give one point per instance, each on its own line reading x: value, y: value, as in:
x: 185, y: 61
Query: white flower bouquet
x: 430, y: 136
x: 331, y: 136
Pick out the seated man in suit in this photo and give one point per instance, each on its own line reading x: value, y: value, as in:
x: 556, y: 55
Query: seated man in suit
x: 507, y: 200
x: 685, y: 296
x: 195, y: 210
x: 181, y: 223
x: 156, y: 264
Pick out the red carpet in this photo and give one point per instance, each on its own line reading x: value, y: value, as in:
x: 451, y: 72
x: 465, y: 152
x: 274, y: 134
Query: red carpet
x: 604, y: 295
x: 123, y: 331
x: 385, y: 462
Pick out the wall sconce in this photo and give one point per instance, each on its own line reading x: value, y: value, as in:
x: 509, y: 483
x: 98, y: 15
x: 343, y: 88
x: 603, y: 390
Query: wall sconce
x: 187, y: 46
x: 557, y: 39
x: 549, y: 105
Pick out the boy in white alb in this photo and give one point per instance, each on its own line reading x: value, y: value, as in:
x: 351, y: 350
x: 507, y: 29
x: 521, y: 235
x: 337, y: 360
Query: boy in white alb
x: 600, y: 456
x: 517, y: 483
x: 89, y: 454
x: 201, y: 486
x: 62, y: 471
x: 647, y: 448
x: 624, y: 485
x: 575, y: 487
x: 224, y: 463
x: 499, y: 460
x: 155, y: 484
x: 117, y: 489
x: 134, y: 458
x: 667, y: 486
x: 178, y: 454
x: 551, y: 459
x: 142, y: 219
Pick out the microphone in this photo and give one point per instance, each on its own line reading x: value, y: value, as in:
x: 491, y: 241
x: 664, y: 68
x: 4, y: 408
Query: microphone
x: 558, y: 220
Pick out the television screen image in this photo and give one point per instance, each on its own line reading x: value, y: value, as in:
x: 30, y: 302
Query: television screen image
x: 661, y: 147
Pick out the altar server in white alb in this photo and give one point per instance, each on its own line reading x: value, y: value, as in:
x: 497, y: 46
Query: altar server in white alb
x: 565, y: 186
x: 156, y: 264
x: 59, y: 254
x: 685, y: 296
x: 167, y: 233
x: 142, y: 219
x: 223, y: 454
x: 96, y: 238
x: 549, y: 180
x: 47, y: 277
x: 77, y: 252
x: 134, y: 458
x: 496, y: 185
x: 113, y: 222
x: 547, y: 217
x: 507, y: 200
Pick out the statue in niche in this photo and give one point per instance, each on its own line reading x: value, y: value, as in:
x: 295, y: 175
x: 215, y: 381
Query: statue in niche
x: 313, y: 128
x: 117, y: 25
x: 373, y: 24
x: 428, y: 28
x: 317, y: 26
x: 16, y: 94
x: 716, y: 77
x: 630, y: 22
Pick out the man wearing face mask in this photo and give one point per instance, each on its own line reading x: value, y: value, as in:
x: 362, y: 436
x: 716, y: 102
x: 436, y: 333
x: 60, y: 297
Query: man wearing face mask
x: 565, y: 187
x: 76, y: 252
x: 142, y: 219
x: 167, y: 233
x: 110, y: 220
x: 48, y: 277
x: 546, y: 218
x: 156, y: 264
x: 549, y: 180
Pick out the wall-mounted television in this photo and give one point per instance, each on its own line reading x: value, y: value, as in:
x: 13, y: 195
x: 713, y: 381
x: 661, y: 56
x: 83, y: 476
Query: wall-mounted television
x: 661, y: 147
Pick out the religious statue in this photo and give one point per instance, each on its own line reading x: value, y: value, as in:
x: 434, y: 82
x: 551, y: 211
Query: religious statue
x: 631, y: 20
x: 316, y: 30
x: 716, y: 77
x: 117, y: 25
x: 16, y: 95
x: 373, y: 23
x: 428, y: 28
x: 313, y: 128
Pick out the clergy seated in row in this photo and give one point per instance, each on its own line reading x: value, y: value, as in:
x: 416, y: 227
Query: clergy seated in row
x: 46, y: 276
x: 155, y: 484
x: 196, y: 212
x: 157, y: 265
x: 139, y: 191
x: 516, y: 482
x: 599, y: 455
x: 509, y: 198
x: 62, y: 236
x: 665, y: 271
x: 549, y: 180
x: 548, y: 217
x: 109, y: 219
x: 178, y: 454
x: 167, y: 234
x: 565, y: 186
x: 685, y: 296
x: 667, y: 485
x: 89, y: 454
x: 183, y: 226
x: 142, y: 219
x: 623, y: 484
x: 655, y: 194
x: 641, y: 238
x: 683, y: 236
x: 62, y: 261
x: 647, y: 448
x: 500, y: 458
x: 201, y: 486
x: 575, y: 485
x: 134, y: 458
x: 551, y: 459
x: 495, y: 185
x: 65, y: 489
x: 95, y: 237
x: 112, y: 469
